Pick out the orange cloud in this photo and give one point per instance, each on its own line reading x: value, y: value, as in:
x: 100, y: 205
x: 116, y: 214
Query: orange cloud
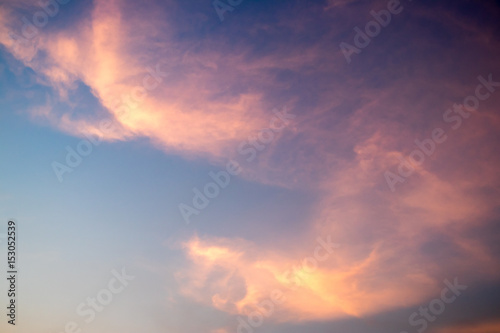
x: 389, y: 259
x: 236, y: 278
x: 178, y: 113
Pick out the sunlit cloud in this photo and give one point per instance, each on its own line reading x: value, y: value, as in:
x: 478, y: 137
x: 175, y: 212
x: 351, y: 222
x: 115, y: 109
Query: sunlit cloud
x: 140, y: 87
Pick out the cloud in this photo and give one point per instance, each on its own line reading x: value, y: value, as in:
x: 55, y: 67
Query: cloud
x: 353, y: 123
x: 401, y: 246
x: 186, y: 112
x: 234, y: 276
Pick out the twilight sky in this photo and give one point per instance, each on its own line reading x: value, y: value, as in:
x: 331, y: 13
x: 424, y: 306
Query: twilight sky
x: 251, y: 166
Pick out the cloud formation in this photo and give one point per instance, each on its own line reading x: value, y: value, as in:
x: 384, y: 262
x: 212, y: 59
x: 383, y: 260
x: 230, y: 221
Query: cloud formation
x: 202, y: 94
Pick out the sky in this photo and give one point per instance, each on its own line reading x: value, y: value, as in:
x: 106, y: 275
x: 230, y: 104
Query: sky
x: 251, y: 166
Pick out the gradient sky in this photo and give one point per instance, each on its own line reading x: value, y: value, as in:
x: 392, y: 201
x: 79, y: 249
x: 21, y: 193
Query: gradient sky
x: 216, y: 85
